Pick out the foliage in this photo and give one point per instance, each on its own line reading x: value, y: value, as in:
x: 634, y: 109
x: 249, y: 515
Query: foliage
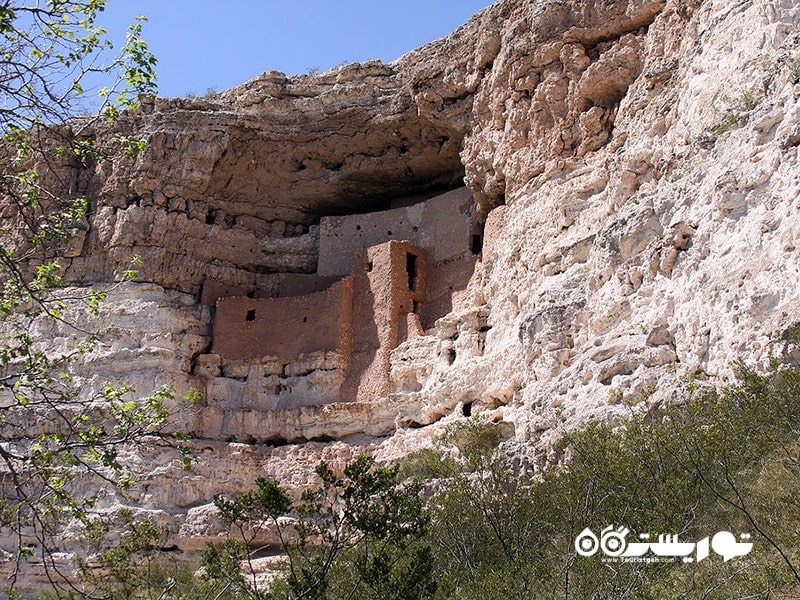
x: 209, y: 94
x: 54, y: 437
x: 738, y: 109
x: 794, y: 71
x: 722, y: 461
x: 484, y: 518
x: 132, y: 565
x: 138, y: 567
x: 355, y: 536
x: 51, y: 49
x: 726, y: 460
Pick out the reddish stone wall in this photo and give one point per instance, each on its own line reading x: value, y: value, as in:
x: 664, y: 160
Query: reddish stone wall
x: 394, y: 292
x: 383, y: 300
x: 246, y: 328
x: 281, y: 285
x: 297, y: 284
x: 213, y: 290
x: 445, y: 281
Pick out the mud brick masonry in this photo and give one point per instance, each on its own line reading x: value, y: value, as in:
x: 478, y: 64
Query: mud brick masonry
x: 382, y: 278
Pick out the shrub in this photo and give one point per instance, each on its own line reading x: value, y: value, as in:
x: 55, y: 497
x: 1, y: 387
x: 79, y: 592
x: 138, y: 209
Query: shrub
x: 721, y: 461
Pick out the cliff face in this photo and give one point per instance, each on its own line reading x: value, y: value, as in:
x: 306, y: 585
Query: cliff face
x: 634, y: 170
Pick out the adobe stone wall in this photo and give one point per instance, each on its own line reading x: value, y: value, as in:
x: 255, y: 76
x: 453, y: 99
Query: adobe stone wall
x: 441, y: 225
x: 280, y: 285
x: 382, y: 292
x: 387, y: 312
x: 297, y: 284
x: 446, y: 284
x: 213, y: 290
x: 251, y: 328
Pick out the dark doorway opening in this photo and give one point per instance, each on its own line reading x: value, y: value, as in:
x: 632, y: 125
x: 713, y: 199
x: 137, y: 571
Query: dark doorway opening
x: 477, y: 243
x: 411, y: 269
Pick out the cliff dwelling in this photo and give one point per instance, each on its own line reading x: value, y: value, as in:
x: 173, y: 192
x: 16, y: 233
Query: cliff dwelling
x: 382, y: 278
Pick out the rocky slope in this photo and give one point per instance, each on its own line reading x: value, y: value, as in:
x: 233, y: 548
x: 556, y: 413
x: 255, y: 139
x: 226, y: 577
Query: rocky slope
x: 636, y: 166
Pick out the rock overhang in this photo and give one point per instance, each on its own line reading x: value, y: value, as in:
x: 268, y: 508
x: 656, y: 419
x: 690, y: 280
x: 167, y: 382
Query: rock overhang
x: 302, y: 151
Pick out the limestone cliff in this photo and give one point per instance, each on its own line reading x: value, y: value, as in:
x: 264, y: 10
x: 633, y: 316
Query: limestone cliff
x: 633, y: 166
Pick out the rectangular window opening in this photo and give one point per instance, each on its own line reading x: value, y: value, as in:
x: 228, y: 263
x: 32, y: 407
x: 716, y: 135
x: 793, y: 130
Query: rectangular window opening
x: 251, y: 315
x: 411, y: 269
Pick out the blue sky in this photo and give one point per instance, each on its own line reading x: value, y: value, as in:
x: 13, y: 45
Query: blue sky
x: 202, y: 44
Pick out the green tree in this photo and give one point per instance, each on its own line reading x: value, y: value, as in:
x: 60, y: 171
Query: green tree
x: 489, y: 524
x: 55, y: 440
x: 720, y: 459
x: 357, y: 536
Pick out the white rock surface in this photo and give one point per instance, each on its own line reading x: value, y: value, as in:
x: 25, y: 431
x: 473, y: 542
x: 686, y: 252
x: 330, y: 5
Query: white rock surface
x: 638, y: 163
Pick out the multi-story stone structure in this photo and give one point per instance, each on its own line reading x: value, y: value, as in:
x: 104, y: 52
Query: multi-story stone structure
x: 382, y: 278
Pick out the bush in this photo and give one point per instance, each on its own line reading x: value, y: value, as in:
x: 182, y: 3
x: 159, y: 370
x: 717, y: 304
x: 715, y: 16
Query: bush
x: 358, y: 536
x: 726, y: 460
x: 723, y: 461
